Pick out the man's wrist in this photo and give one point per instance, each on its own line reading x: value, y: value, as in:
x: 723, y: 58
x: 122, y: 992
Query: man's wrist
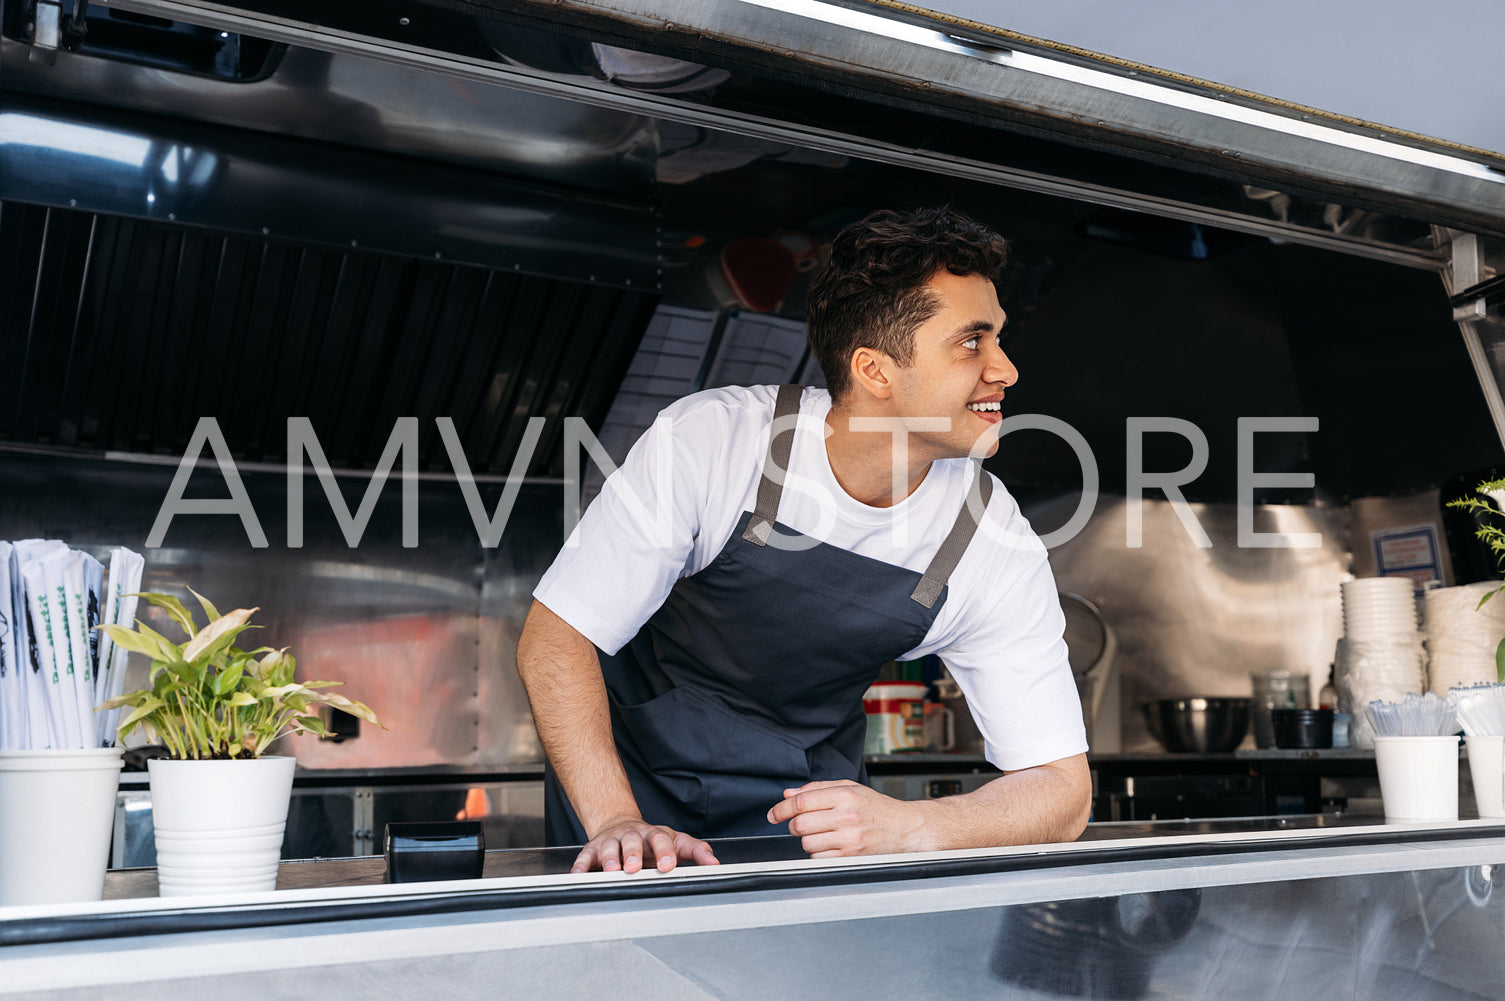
x: 934, y: 831
x: 609, y: 820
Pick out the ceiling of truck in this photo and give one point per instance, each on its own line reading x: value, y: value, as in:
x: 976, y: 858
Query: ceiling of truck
x: 1397, y: 63
x: 277, y: 231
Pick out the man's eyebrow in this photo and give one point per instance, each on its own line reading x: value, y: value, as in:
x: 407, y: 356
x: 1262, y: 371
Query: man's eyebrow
x: 974, y: 328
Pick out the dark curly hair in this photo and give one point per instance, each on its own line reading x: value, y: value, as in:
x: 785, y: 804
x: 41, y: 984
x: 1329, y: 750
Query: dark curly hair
x: 872, y: 294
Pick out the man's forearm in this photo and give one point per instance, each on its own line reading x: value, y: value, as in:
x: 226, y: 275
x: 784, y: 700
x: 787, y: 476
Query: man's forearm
x: 562, y: 676
x: 1049, y: 803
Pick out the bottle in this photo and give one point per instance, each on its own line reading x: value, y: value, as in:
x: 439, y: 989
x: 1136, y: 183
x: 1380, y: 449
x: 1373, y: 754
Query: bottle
x: 1328, y: 698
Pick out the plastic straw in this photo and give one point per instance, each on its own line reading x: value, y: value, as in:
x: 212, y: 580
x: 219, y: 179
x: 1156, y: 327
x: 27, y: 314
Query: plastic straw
x: 13, y: 730
x: 120, y: 609
x: 1480, y: 708
x: 73, y: 596
x: 50, y: 677
x: 1414, y: 716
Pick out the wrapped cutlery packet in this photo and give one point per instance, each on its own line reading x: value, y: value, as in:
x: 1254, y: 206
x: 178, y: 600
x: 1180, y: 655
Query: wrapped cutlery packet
x: 55, y: 665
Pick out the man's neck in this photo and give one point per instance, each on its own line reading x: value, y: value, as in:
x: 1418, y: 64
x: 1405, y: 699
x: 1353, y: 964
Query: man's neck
x: 865, y: 464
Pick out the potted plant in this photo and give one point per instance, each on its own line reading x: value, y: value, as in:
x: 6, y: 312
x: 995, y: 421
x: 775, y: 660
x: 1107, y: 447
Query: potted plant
x: 1492, y: 536
x: 219, y: 805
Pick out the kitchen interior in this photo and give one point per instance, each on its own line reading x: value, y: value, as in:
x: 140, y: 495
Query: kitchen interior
x: 203, y: 223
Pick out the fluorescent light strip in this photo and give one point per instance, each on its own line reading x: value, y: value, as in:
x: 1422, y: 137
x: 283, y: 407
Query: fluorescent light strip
x: 1099, y: 80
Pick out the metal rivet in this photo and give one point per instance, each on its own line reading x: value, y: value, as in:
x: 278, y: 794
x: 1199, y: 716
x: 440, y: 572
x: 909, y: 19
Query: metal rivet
x: 73, y: 203
x: 172, y: 216
x: 265, y: 230
x: 354, y: 243
x: 436, y: 255
x: 402, y: 21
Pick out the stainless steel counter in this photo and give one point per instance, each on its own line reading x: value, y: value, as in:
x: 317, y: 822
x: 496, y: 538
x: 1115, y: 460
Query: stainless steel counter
x: 1302, y: 907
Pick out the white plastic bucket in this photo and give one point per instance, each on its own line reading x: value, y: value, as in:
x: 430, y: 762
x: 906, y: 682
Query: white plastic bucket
x: 218, y: 825
x: 1484, y: 760
x: 1418, y: 777
x: 57, y: 812
x: 895, y: 717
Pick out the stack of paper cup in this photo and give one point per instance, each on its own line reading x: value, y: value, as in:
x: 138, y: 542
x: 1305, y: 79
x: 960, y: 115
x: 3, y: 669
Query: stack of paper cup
x: 1381, y: 655
x: 1461, y: 636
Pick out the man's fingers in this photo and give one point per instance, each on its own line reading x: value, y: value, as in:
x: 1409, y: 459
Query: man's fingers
x: 585, y: 860
x: 661, y: 844
x: 822, y: 784
x: 808, y: 799
x: 828, y: 844
x: 632, y: 851
x: 698, y: 851
x: 628, y: 846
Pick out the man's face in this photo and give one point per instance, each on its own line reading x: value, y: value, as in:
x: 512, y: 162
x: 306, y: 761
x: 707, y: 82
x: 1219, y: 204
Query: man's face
x: 958, y: 371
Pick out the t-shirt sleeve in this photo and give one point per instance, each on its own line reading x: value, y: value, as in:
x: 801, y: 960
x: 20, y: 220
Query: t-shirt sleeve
x: 634, y: 540
x: 1010, y: 661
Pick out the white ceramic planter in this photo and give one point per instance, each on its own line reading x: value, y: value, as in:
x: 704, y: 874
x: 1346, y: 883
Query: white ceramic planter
x: 219, y: 824
x: 57, y: 809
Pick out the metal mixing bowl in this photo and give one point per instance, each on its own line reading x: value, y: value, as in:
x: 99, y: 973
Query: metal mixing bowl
x: 1198, y: 726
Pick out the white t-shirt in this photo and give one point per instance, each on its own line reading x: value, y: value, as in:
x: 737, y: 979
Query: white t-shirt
x: 669, y: 510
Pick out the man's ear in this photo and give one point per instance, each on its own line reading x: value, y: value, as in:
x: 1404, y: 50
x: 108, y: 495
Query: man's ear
x: 872, y: 372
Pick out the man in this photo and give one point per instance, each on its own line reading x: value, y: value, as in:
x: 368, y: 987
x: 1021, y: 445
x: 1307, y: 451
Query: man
x: 697, y: 654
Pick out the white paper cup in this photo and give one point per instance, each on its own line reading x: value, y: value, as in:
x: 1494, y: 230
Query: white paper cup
x: 1484, y: 760
x: 57, y: 812
x: 1418, y: 777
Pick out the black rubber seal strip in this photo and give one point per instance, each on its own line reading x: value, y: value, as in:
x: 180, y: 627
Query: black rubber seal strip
x: 40, y: 931
x: 1490, y: 290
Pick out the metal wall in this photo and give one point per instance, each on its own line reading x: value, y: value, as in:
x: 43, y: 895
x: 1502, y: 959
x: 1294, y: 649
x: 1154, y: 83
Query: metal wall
x: 427, y: 636
x: 1195, y: 622
x: 424, y: 635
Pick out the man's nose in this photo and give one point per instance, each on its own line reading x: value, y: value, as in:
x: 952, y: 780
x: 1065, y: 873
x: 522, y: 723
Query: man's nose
x: 1000, y: 368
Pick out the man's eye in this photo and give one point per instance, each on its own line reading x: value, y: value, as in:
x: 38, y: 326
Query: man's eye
x: 970, y: 344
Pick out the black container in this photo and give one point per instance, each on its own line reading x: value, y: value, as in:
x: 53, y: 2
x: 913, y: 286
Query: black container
x: 1302, y: 728
x: 420, y: 852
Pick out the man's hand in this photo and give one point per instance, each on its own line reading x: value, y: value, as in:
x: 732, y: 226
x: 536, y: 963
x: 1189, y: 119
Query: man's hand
x: 1045, y: 803
x: 620, y: 845
x: 848, y: 818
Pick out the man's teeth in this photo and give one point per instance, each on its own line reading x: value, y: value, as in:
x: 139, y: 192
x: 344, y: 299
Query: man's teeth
x: 984, y: 406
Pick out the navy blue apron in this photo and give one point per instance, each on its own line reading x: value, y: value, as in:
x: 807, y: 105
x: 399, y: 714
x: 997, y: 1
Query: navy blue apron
x: 748, y: 680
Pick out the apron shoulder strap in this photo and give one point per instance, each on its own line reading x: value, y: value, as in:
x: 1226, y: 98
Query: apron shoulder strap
x: 950, y: 554
x: 786, y: 411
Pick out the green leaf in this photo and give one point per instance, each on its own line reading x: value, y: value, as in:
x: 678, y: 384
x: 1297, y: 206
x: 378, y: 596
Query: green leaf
x: 120, y: 701
x: 242, y: 699
x: 1487, y: 596
x: 166, y: 648
x: 1500, y: 662
x: 312, y: 724
x: 209, y: 610
x: 226, y: 680
x: 353, y: 708
x: 143, y: 710
x: 218, y: 634
x: 174, y: 608
x: 133, y: 641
